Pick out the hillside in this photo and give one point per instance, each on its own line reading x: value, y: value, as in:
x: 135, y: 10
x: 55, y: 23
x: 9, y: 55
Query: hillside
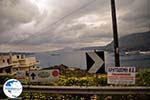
x: 69, y: 71
x: 133, y: 42
x: 92, y: 48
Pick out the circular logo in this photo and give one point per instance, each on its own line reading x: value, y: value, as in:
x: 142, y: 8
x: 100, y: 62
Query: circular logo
x: 12, y: 88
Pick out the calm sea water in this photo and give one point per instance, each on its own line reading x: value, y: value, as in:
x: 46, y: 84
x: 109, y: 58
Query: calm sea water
x: 78, y: 59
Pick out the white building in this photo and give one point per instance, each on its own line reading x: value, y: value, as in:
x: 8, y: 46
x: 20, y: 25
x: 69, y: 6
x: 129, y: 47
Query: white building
x: 12, y: 63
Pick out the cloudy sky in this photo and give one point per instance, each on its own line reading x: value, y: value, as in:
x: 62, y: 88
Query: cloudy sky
x: 45, y: 25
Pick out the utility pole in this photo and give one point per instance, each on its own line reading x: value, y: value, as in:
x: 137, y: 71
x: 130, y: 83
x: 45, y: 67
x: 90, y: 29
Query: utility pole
x: 115, y: 34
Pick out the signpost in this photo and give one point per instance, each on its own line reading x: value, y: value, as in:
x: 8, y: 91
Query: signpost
x: 21, y: 76
x: 95, y: 62
x: 121, y: 75
x: 44, y: 75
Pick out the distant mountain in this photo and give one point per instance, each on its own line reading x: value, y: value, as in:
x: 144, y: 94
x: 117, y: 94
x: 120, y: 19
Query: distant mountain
x: 17, y: 53
x: 57, y: 52
x: 132, y: 42
x: 64, y: 50
x: 92, y: 48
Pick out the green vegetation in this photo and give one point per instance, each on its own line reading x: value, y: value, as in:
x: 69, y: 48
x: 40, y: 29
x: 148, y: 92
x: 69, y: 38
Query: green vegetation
x: 143, y: 78
x: 39, y: 96
x: 79, y: 77
x: 5, y: 77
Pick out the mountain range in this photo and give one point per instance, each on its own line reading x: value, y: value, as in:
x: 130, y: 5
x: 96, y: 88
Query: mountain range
x: 132, y: 42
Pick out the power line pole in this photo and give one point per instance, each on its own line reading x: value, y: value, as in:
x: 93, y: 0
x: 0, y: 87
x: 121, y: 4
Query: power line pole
x: 115, y: 34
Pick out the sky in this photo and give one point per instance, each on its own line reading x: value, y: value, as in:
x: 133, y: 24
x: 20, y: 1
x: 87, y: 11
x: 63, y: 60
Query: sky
x: 47, y: 25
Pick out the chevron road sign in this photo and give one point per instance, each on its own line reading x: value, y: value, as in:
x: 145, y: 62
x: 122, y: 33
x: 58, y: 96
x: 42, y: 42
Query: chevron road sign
x: 95, y: 62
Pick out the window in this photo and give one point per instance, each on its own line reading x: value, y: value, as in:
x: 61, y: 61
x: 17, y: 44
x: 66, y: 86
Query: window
x: 17, y: 57
x: 3, y: 60
x: 8, y: 61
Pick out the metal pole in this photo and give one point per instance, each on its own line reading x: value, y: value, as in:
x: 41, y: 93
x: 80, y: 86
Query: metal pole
x: 115, y: 34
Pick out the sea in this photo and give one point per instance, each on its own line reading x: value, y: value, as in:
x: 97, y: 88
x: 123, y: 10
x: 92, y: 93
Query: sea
x: 77, y: 59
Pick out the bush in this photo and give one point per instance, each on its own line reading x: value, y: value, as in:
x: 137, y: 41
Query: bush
x: 103, y: 81
x: 5, y: 77
x: 143, y: 78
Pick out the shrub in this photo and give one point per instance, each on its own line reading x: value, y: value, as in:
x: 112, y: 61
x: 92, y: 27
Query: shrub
x: 5, y: 77
x: 143, y: 78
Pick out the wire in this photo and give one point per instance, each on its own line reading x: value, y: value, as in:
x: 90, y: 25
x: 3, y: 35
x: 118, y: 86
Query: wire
x: 84, y: 6
x: 62, y: 18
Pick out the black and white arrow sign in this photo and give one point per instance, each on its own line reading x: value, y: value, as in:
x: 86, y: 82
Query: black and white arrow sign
x: 95, y: 62
x: 33, y: 76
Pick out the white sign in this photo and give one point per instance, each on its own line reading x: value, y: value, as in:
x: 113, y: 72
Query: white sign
x: 21, y: 76
x: 121, y: 75
x: 44, y: 75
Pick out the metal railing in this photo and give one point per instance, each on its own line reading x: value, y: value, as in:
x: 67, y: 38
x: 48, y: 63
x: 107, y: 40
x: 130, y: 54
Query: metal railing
x: 85, y: 90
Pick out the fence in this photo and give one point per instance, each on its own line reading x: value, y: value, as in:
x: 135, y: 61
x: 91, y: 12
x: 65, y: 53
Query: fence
x: 85, y: 90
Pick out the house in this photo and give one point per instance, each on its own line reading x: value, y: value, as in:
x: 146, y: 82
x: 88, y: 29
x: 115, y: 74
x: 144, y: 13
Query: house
x: 11, y: 63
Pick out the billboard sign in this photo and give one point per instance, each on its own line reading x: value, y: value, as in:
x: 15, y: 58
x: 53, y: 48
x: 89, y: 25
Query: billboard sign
x: 121, y: 75
x: 44, y: 75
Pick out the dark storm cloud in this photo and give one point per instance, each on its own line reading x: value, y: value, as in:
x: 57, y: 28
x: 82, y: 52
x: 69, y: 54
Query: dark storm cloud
x: 51, y: 24
x: 15, y: 12
x: 135, y: 16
